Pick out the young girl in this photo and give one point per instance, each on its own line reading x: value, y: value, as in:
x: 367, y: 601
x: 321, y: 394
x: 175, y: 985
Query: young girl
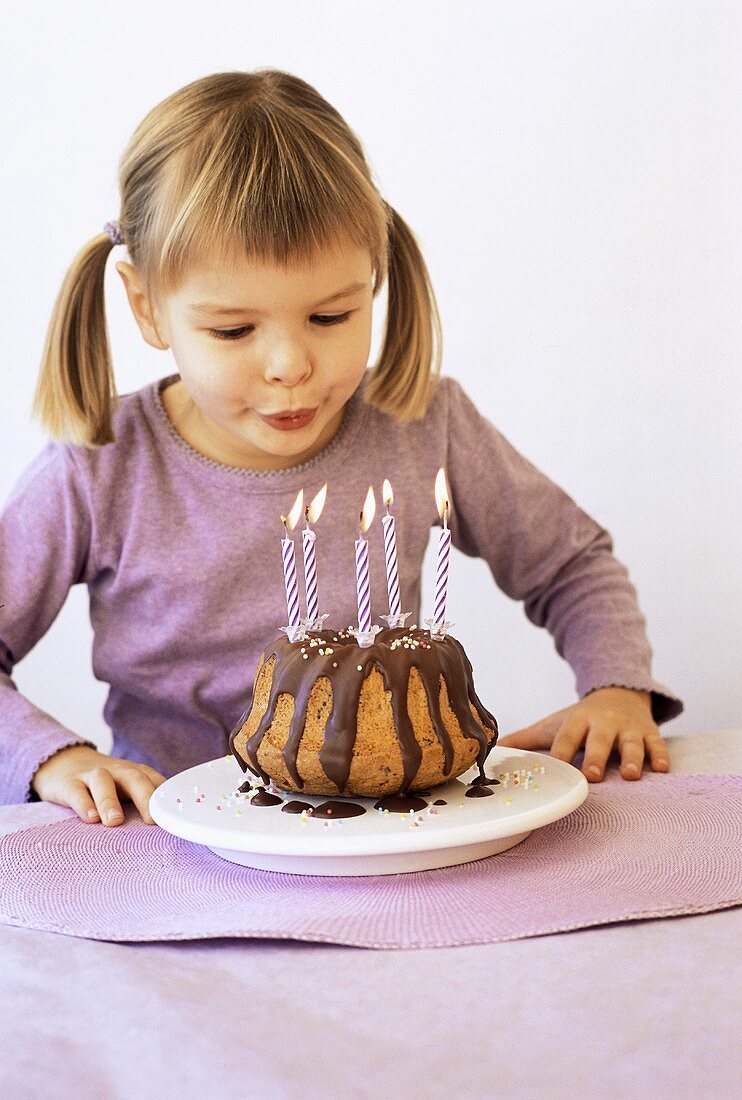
x: 258, y: 243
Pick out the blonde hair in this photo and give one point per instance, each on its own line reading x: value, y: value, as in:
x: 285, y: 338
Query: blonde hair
x: 256, y: 162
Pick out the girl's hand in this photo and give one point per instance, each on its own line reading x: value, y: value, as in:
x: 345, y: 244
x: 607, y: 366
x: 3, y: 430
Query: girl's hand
x: 91, y: 783
x: 604, y: 718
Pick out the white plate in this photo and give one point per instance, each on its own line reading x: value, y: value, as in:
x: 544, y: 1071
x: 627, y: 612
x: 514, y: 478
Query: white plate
x: 374, y: 843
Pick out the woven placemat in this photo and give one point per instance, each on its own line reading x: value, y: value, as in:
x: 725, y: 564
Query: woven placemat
x: 663, y: 846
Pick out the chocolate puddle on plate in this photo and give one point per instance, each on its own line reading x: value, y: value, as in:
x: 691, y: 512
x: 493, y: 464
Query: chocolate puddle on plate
x: 480, y: 787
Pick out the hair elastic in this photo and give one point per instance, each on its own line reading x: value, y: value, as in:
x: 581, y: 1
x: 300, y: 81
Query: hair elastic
x: 113, y: 229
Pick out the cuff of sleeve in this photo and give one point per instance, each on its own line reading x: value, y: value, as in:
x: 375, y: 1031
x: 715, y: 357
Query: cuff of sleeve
x: 665, y: 704
x: 18, y: 787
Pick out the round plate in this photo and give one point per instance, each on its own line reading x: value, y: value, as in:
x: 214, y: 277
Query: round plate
x: 203, y: 805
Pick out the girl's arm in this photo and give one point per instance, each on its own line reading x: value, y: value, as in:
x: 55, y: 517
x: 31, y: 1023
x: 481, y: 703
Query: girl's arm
x: 544, y: 550
x: 45, y: 548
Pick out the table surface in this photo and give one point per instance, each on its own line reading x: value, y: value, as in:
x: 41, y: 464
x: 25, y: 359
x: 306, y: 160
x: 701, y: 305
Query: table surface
x: 639, y: 1009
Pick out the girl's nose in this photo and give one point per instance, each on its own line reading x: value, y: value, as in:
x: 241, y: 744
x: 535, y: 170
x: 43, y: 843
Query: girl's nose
x: 288, y: 365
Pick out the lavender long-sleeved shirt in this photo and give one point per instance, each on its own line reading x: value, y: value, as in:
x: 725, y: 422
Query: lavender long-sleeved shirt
x: 181, y: 556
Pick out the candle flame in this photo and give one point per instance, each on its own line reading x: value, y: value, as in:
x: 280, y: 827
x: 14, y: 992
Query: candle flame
x: 368, y: 511
x: 388, y: 494
x: 442, y: 495
x: 314, y: 510
x: 292, y: 519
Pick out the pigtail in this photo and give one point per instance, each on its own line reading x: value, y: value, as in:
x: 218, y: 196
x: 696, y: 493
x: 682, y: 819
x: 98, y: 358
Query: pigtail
x: 76, y: 393
x: 409, y: 364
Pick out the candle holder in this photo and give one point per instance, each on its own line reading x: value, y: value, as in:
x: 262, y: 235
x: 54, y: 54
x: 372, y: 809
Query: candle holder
x: 437, y: 630
x: 296, y: 633
x: 315, y: 625
x: 396, y: 620
x: 365, y: 638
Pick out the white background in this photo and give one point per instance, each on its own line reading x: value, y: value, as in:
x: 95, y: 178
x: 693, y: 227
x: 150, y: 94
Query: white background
x: 572, y: 171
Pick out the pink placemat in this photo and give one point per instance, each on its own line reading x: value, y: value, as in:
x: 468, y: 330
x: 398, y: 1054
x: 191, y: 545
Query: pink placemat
x: 663, y: 846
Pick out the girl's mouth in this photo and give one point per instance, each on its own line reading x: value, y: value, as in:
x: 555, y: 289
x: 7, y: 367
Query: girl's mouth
x: 289, y: 421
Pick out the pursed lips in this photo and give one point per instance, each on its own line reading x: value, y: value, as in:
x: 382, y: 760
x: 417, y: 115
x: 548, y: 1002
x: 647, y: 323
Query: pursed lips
x: 289, y: 418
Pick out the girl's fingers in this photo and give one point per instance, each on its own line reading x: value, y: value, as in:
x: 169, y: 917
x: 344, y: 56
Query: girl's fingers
x: 659, y: 755
x: 532, y: 738
x: 538, y: 736
x: 598, y: 747
x: 77, y: 797
x: 139, y: 788
x: 155, y: 776
x: 103, y: 789
x: 631, y: 748
x: 569, y: 738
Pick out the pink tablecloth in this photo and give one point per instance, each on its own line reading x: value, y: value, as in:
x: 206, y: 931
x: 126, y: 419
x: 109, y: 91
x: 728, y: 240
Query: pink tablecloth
x: 664, y: 846
x: 623, y: 1011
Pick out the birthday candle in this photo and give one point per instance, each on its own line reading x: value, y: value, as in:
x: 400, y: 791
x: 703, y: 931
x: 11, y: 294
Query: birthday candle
x: 308, y: 538
x: 289, y: 562
x: 442, y: 498
x: 363, y: 588
x: 390, y: 553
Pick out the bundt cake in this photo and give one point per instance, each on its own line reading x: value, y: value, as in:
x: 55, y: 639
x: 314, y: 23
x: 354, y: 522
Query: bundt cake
x: 328, y: 716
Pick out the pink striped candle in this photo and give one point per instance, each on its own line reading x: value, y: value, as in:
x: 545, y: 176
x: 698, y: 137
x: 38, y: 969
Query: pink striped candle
x: 390, y: 553
x: 363, y: 586
x: 289, y: 562
x: 444, y: 550
x: 308, y: 538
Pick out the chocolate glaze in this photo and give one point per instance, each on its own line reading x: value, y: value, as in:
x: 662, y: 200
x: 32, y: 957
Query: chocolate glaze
x: 296, y: 676
x: 338, y: 809
x: 483, y: 781
x: 262, y: 798
x: 479, y: 791
x: 295, y: 807
x: 400, y: 803
x: 440, y: 802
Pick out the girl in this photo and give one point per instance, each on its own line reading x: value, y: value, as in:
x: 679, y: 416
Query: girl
x: 258, y: 243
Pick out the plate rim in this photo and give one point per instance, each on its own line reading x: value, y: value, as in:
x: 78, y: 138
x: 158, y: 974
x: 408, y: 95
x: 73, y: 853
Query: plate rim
x: 399, y: 843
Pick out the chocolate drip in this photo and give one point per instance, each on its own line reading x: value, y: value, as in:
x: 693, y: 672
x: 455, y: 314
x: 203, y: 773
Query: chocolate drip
x: 336, y: 656
x: 400, y: 803
x: 440, y: 802
x: 295, y: 807
x: 338, y: 809
x: 262, y: 798
x: 478, y: 791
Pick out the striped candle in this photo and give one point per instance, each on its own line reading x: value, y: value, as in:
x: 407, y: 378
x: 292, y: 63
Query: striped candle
x: 363, y: 586
x: 390, y: 553
x: 289, y: 562
x: 308, y: 539
x: 441, y: 573
x: 442, y: 499
x: 289, y: 577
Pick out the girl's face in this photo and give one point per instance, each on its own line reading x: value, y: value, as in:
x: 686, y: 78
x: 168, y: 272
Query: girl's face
x: 268, y: 357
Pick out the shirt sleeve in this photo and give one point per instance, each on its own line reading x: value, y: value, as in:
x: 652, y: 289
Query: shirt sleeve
x: 44, y: 550
x: 544, y: 550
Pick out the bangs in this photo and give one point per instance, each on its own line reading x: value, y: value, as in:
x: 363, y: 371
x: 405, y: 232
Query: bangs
x: 251, y: 189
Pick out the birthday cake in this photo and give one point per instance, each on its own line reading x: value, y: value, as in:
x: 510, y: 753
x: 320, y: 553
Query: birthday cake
x: 331, y: 717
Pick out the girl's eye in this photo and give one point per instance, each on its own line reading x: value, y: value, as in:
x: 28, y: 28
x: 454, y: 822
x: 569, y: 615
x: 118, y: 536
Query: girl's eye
x: 331, y: 319
x: 323, y: 319
x: 228, y: 333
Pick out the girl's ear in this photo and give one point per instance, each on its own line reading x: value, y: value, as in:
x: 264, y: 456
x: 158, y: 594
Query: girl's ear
x: 140, y: 305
